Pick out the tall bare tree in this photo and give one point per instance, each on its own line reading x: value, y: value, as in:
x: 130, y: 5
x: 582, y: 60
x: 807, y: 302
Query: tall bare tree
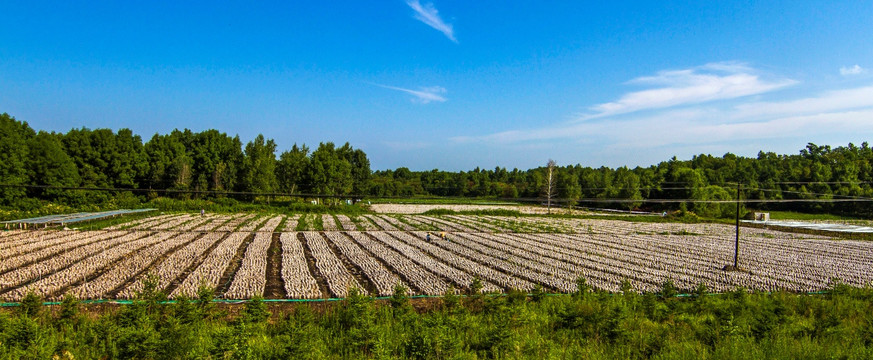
x: 550, y: 188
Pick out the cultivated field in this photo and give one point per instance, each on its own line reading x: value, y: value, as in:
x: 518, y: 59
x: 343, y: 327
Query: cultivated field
x: 319, y: 256
x: 421, y: 208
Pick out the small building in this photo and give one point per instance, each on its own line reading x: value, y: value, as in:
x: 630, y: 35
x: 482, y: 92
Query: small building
x: 762, y: 216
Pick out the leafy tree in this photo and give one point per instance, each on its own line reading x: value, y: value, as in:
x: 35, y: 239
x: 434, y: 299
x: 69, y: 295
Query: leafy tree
x: 568, y: 187
x: 49, y: 165
x: 14, y: 137
x: 330, y: 174
x: 668, y: 290
x: 106, y: 159
x: 626, y: 186
x: 688, y: 183
x: 217, y: 160
x: 291, y: 169
x: 259, y: 170
x: 536, y: 182
x: 360, y: 171
x: 180, y: 168
x: 78, y: 145
x: 128, y: 163
x: 708, y: 206
x: 171, y: 167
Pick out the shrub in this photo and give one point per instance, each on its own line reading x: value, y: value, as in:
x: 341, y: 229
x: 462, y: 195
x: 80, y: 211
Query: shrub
x: 537, y: 294
x: 451, y: 301
x: 31, y: 305
x: 399, y: 299
x: 255, y: 311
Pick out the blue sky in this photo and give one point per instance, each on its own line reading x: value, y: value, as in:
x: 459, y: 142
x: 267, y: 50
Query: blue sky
x: 453, y: 84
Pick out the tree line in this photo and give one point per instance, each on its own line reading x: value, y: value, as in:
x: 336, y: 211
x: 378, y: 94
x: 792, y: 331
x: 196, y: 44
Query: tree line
x: 816, y: 179
x: 209, y: 162
x: 819, y: 179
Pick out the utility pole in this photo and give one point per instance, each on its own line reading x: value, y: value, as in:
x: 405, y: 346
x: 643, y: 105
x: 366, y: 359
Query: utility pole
x: 737, y: 242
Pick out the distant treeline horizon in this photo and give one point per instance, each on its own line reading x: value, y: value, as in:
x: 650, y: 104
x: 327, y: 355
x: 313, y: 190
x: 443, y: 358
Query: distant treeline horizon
x: 36, y: 165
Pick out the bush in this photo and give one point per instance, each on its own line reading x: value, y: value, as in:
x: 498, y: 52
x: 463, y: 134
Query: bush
x: 31, y: 305
x: 255, y: 311
x: 516, y: 296
x: 399, y: 299
x: 69, y: 308
x: 668, y: 290
x: 582, y: 287
x: 537, y: 294
x: 357, y: 318
x: 451, y: 300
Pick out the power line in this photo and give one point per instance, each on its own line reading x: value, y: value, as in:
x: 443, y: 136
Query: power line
x: 665, y: 201
x: 844, y: 199
x: 821, y: 182
x: 811, y: 193
x: 178, y: 191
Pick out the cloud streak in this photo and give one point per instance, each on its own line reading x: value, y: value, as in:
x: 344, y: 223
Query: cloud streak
x: 670, y: 122
x: 716, y: 81
x: 429, y: 15
x: 854, y: 70
x: 424, y: 95
x: 826, y: 102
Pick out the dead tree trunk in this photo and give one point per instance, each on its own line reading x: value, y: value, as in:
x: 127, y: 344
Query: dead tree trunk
x: 550, y: 189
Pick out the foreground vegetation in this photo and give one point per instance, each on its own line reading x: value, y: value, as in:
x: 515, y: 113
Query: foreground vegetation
x: 736, y: 325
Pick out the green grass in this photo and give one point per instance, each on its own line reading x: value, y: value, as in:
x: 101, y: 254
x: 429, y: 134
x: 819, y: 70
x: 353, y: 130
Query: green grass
x: 317, y: 222
x: 281, y: 226
x: 359, y: 221
x: 442, y: 201
x: 303, y: 223
x: 418, y: 226
x: 790, y: 215
x: 493, y: 212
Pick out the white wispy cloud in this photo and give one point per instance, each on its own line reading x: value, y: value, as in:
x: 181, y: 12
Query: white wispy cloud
x: 854, y: 70
x: 406, y: 145
x: 423, y: 95
x: 716, y: 81
x: 694, y: 132
x: 429, y: 15
x: 694, y: 127
x: 826, y: 102
x: 732, y: 122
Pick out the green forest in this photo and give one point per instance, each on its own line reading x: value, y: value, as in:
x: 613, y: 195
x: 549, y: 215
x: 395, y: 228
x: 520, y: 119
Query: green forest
x: 583, y: 325
x: 38, y: 167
